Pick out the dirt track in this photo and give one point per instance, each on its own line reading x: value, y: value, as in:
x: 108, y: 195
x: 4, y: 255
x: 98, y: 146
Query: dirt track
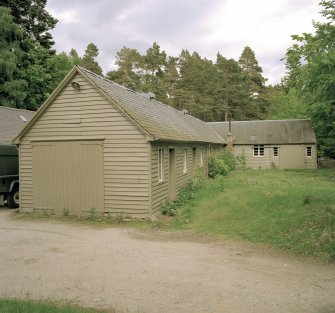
x: 135, y: 271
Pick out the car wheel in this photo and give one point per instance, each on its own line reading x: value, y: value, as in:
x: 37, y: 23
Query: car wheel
x: 14, y: 199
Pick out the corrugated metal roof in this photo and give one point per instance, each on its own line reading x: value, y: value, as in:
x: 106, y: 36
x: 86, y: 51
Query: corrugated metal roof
x: 268, y: 131
x: 12, y: 121
x: 160, y: 120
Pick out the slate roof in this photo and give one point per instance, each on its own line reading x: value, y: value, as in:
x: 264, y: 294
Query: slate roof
x: 160, y: 120
x: 267, y: 131
x: 12, y: 121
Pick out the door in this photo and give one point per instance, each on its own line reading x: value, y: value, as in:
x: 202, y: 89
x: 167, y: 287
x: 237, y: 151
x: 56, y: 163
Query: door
x: 68, y: 177
x: 172, y: 174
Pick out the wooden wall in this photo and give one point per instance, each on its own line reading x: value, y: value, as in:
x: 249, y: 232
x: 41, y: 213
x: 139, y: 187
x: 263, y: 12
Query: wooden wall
x: 87, y: 115
x: 160, y: 190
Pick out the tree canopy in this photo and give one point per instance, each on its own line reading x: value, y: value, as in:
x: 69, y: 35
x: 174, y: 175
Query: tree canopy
x: 34, y: 19
x: 212, y: 90
x: 311, y: 65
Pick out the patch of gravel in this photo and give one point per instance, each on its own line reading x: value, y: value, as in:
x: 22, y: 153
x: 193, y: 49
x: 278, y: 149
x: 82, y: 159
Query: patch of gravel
x: 154, y: 271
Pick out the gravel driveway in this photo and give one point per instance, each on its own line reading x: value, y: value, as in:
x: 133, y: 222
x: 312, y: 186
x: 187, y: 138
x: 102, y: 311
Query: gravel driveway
x: 135, y: 271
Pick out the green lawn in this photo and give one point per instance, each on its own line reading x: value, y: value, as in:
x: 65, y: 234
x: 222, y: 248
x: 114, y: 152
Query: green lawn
x: 29, y: 306
x: 291, y: 209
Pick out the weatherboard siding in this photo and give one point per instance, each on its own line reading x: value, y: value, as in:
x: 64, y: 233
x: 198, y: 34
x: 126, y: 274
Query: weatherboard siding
x: 266, y: 161
x: 160, y: 189
x: 269, y: 161
x: 86, y: 114
x: 311, y: 162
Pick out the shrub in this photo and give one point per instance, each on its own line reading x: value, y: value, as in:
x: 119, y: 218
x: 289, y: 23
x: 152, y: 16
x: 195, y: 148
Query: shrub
x: 221, y: 165
x: 187, y: 193
x: 241, y: 160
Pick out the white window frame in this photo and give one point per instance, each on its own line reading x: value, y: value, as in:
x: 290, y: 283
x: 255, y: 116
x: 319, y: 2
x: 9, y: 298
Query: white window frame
x: 309, y: 151
x: 184, y: 160
x: 160, y: 164
x: 201, y: 158
x: 276, y: 154
x: 258, y: 149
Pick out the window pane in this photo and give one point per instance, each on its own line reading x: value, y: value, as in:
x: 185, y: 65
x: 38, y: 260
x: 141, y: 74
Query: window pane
x: 255, y: 150
x: 309, y: 151
x: 275, y: 151
x: 261, y: 150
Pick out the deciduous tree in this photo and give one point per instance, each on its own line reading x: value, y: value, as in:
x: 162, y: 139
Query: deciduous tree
x: 311, y: 64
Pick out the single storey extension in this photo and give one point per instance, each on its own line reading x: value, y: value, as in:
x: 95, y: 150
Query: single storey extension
x: 271, y: 143
x: 96, y: 145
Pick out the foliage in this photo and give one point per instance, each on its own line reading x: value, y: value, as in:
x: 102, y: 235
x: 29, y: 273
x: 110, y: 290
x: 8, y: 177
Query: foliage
x: 29, y: 306
x: 186, y: 194
x: 221, y: 165
x: 33, y: 19
x: 208, y: 90
x: 291, y: 209
x: 93, y: 215
x: 241, y: 160
x: 29, y: 70
x: 128, y: 62
x: 12, y: 87
x: 89, y: 59
x: 286, y: 104
x: 43, y: 74
x: 311, y: 64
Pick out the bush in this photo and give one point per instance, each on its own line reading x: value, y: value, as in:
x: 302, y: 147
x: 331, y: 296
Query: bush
x: 187, y: 193
x: 221, y: 165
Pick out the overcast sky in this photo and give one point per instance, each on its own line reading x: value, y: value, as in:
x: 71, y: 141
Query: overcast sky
x: 204, y: 26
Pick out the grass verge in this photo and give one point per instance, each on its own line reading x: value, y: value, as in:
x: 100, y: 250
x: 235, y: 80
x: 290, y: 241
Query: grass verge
x: 291, y: 209
x: 29, y: 306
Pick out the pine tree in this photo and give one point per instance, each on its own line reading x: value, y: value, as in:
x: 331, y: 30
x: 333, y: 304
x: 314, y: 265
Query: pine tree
x: 74, y: 57
x: 88, y: 61
x: 12, y: 87
x: 255, y: 84
x: 128, y: 62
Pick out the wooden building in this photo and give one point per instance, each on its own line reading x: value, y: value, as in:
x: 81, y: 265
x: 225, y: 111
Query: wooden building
x: 272, y: 143
x: 96, y: 145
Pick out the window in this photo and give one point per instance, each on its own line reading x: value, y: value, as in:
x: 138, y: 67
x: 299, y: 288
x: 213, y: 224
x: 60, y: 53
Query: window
x: 258, y: 150
x: 160, y: 165
x: 185, y: 161
x: 275, y: 152
x: 309, y: 151
x: 201, y: 158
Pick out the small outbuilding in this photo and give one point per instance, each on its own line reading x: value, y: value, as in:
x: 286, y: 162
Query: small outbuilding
x: 95, y: 145
x: 287, y: 144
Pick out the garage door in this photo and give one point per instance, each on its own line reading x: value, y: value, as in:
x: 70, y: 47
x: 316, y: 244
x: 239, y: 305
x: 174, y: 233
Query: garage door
x: 292, y: 156
x: 68, y: 176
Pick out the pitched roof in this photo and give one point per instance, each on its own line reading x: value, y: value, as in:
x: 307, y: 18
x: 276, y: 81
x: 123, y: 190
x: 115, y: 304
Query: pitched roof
x: 267, y: 132
x: 160, y: 120
x: 12, y: 121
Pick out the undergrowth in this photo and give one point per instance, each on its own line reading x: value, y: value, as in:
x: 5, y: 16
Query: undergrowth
x: 186, y: 194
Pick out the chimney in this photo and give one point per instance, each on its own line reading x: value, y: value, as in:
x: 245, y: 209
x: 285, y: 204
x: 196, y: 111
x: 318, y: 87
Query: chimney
x: 229, y: 139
